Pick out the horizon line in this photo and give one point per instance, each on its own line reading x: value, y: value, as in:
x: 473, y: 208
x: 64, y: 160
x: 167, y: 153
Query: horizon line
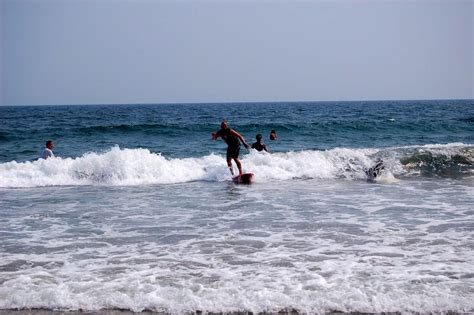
x: 241, y: 102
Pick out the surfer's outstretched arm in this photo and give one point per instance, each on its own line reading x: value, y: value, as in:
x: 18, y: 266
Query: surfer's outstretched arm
x: 214, y: 136
x: 236, y: 134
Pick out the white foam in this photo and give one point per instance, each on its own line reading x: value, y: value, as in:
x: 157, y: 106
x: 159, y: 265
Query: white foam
x: 140, y: 166
x: 115, y: 167
x: 309, y: 245
x: 386, y: 178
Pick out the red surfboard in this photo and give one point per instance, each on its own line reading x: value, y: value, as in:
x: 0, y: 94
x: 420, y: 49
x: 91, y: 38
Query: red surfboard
x: 245, y: 178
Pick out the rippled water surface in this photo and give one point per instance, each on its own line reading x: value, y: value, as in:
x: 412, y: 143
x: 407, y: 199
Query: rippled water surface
x: 309, y: 245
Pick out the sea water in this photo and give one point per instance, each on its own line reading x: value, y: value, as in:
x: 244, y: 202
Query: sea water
x: 138, y: 210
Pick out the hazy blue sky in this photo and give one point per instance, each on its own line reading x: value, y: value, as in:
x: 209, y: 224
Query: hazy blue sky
x: 81, y: 52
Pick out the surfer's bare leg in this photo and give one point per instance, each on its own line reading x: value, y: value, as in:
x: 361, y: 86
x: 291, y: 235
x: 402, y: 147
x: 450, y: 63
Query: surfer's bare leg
x: 239, y: 166
x: 229, y: 164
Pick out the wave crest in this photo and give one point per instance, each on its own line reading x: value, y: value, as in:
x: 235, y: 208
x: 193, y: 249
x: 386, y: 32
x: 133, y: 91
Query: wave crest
x: 140, y: 166
x: 445, y: 161
x: 114, y: 167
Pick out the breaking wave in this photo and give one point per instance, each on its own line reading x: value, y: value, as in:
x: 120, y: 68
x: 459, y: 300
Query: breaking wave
x: 119, y: 166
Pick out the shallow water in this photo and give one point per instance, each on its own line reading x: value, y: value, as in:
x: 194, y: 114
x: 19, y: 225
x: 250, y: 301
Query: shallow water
x: 309, y: 245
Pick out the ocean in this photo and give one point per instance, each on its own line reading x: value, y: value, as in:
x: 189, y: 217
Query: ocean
x: 138, y: 212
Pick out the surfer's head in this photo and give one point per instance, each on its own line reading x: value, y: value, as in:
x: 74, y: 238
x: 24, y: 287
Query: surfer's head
x: 258, y: 137
x: 50, y: 144
x: 224, y: 125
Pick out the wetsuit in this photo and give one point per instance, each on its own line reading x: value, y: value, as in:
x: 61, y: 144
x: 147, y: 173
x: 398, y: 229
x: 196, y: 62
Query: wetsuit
x: 259, y: 146
x: 233, y: 143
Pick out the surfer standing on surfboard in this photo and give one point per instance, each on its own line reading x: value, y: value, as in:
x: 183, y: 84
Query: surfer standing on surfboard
x: 233, y: 139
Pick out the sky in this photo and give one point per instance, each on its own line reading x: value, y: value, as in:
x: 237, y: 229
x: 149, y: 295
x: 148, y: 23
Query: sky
x: 195, y: 51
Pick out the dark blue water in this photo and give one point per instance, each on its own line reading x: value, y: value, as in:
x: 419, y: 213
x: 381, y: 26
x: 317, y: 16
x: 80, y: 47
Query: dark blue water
x: 183, y: 130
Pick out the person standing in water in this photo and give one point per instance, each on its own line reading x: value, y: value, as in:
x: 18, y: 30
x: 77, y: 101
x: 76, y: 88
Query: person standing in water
x: 259, y: 146
x: 233, y: 139
x: 48, y: 150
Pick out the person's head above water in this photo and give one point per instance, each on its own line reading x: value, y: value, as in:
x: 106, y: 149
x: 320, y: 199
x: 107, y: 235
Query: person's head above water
x: 224, y: 125
x: 258, y: 137
x: 273, y: 135
x: 49, y: 144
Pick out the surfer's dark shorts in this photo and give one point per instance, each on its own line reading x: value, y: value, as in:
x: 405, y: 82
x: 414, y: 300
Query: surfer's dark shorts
x: 233, y: 152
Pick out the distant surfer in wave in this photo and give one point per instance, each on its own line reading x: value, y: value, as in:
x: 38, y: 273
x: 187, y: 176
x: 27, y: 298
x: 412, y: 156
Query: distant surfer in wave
x: 233, y: 139
x: 259, y: 146
x: 48, y: 150
x: 375, y: 171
